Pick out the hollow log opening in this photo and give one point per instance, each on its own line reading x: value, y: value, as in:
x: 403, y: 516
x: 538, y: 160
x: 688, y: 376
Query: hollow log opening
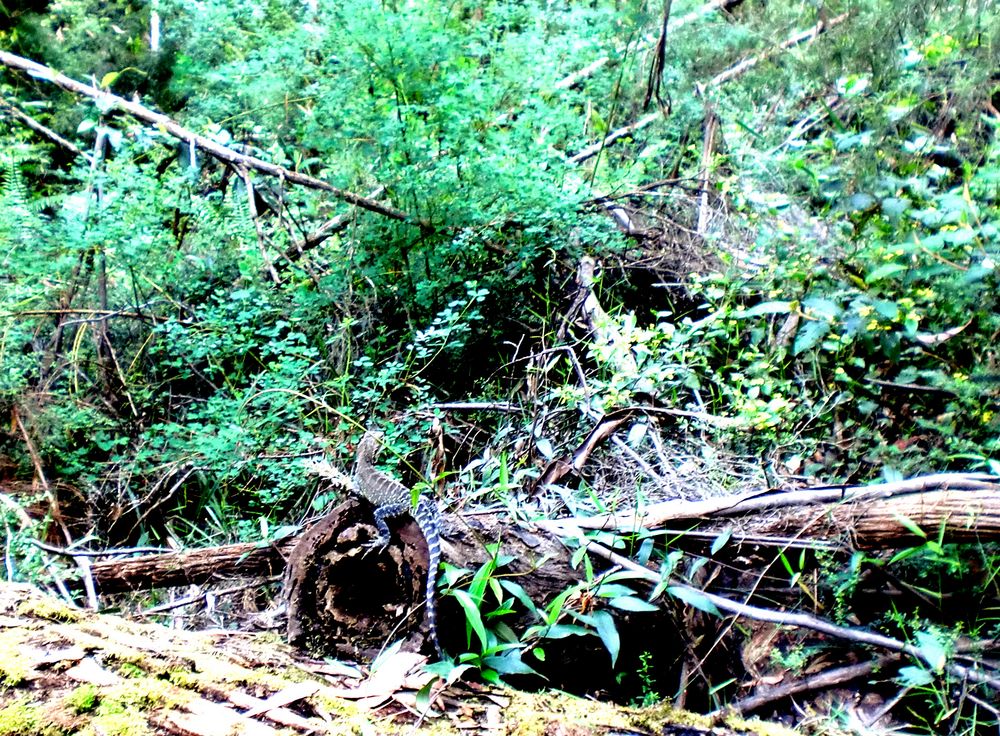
x: 348, y: 599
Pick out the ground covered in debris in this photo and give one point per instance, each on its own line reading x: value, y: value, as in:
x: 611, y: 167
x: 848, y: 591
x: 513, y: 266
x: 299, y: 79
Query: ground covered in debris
x: 63, y: 671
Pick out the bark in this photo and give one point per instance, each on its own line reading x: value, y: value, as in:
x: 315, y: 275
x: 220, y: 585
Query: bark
x: 191, y: 567
x: 345, y: 598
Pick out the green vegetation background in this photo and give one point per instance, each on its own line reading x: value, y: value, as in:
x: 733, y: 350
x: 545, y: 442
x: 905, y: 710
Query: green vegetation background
x: 167, y: 357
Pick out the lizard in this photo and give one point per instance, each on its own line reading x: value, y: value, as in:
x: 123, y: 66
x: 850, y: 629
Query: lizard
x: 391, y: 498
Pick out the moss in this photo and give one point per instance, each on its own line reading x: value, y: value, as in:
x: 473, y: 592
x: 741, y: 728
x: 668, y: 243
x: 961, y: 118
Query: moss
x: 131, y: 670
x: 758, y: 727
x: 20, y: 718
x: 143, y: 693
x: 83, y: 699
x: 659, y: 717
x: 13, y: 668
x: 125, y: 722
x: 49, y: 609
x: 24, y: 718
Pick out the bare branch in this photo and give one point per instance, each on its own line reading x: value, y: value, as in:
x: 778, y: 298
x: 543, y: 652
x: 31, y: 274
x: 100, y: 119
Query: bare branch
x: 168, y: 125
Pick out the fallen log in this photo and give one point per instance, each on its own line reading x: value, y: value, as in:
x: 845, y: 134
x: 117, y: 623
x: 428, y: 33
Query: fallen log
x: 965, y: 506
x: 67, y: 671
x: 346, y: 600
x: 330, y: 558
x: 190, y: 567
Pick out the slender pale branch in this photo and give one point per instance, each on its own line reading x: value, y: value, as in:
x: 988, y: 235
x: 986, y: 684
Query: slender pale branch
x: 168, y: 125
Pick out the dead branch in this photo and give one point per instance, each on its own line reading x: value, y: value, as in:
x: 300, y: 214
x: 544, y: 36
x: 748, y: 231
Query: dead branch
x: 578, y: 76
x: 704, y: 176
x: 658, y: 514
x: 729, y: 74
x: 44, y: 130
x: 327, y: 230
x: 820, y: 681
x: 750, y: 62
x: 168, y: 125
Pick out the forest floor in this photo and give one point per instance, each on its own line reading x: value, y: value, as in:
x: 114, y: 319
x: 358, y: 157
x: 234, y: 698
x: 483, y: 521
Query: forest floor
x: 66, y: 671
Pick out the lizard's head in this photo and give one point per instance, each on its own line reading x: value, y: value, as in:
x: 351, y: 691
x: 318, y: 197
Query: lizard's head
x: 370, y: 445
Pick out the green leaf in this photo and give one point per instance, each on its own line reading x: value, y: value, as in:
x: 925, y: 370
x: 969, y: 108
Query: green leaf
x: 520, y: 594
x: 810, y: 335
x: 631, y: 603
x: 561, y: 631
x: 766, y: 308
x: 554, y: 608
x: 915, y: 677
x: 722, y: 539
x: 614, y: 590
x: 509, y: 664
x: 910, y: 526
x: 884, y: 271
x: 888, y: 309
x: 819, y: 307
x: 932, y: 649
x: 607, y: 630
x: 472, y: 615
x: 108, y: 79
x: 695, y: 599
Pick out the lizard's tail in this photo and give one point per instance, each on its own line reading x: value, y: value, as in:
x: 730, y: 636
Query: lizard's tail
x: 427, y: 517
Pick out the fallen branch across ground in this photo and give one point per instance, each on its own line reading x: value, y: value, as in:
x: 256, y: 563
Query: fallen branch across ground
x: 965, y: 505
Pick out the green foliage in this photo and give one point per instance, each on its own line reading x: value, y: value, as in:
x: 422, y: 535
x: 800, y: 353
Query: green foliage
x: 172, y: 354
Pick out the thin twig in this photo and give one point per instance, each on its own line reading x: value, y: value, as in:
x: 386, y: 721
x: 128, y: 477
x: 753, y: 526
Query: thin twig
x: 115, y: 552
x: 819, y: 681
x: 721, y: 78
x: 200, y: 596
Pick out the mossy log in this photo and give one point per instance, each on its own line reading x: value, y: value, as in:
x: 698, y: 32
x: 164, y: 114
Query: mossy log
x: 66, y: 671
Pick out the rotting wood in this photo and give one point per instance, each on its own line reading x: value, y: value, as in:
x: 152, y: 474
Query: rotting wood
x: 165, y: 681
x: 190, y: 567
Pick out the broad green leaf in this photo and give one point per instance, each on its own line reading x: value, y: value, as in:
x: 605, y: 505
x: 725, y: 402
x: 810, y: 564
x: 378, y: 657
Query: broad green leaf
x: 561, y: 631
x: 520, y: 594
x: 108, y: 79
x: 767, y: 308
x: 888, y: 309
x: 694, y: 598
x: 631, y: 603
x: 810, y: 335
x: 819, y: 307
x: 607, y: 630
x: 472, y: 616
x: 884, y: 271
x: 915, y: 677
x: 933, y: 650
x: 722, y: 539
x: 509, y: 664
